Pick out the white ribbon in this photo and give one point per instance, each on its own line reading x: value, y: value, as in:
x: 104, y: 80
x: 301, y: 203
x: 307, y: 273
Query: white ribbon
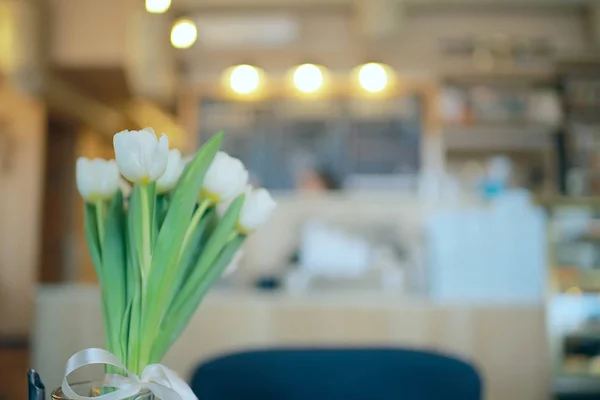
x: 156, y: 378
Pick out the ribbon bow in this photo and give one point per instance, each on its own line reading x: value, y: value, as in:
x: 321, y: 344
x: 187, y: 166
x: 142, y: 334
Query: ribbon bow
x: 156, y: 378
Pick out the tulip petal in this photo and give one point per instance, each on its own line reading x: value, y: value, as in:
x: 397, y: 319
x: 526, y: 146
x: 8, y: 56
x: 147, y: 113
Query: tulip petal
x: 225, y: 179
x: 96, y: 179
x: 141, y: 157
x: 257, y: 209
x: 174, y: 170
x: 158, y: 158
x: 83, y: 177
x: 147, y: 142
x: 127, y: 155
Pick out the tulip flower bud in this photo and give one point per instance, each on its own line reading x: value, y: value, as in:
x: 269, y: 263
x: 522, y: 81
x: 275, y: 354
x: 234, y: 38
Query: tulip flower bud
x: 141, y: 156
x: 225, y: 179
x: 257, y: 209
x: 175, y: 166
x: 97, y: 179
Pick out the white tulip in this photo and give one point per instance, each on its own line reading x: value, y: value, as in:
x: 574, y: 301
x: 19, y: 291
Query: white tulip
x: 97, y: 179
x: 175, y: 166
x: 141, y: 156
x: 225, y: 179
x: 257, y: 209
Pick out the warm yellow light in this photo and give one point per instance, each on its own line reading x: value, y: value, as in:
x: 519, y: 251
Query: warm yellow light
x: 308, y: 78
x: 157, y: 6
x: 372, y: 77
x: 244, y: 79
x: 184, y: 34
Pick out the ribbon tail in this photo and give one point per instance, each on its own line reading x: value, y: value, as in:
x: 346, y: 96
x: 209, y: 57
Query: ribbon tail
x: 162, y: 392
x: 166, y: 377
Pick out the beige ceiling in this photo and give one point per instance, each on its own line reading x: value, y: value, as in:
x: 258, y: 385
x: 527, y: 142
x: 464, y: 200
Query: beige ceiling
x: 187, y: 4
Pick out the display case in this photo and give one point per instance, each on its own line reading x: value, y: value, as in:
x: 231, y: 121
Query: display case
x: 573, y: 316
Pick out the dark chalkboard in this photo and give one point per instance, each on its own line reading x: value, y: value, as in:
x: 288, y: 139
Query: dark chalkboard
x: 278, y: 140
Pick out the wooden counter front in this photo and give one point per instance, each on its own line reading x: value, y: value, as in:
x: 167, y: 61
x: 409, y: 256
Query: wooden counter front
x: 507, y: 343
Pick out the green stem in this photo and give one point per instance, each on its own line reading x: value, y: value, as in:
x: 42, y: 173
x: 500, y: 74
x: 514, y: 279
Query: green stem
x: 146, y: 243
x: 232, y: 236
x: 146, y: 231
x: 100, y: 217
x: 138, y: 359
x: 202, y: 207
x: 137, y: 341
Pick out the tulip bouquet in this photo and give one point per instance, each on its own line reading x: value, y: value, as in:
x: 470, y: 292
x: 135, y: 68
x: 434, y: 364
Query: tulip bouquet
x: 159, y: 248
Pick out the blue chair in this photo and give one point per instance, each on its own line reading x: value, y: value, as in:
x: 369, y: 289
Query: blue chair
x: 330, y: 374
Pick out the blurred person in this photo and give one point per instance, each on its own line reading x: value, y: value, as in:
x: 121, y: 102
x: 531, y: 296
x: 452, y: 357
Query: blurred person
x: 317, y: 180
x: 314, y: 180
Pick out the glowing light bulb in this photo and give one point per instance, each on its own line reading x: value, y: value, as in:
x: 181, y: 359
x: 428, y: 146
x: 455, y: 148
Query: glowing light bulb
x: 372, y: 77
x: 308, y: 78
x: 157, y: 6
x: 184, y: 34
x: 244, y: 79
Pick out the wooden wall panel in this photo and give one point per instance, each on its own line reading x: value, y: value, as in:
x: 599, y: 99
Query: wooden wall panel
x: 59, y: 187
x: 22, y: 131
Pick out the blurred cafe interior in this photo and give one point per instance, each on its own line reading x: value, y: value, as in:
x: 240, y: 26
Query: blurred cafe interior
x: 436, y: 165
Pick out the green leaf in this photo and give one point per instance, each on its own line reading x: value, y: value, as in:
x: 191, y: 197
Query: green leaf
x: 151, y: 190
x: 192, y: 251
x: 124, y: 331
x: 93, y: 241
x: 134, y: 226
x: 114, y: 266
x: 134, y: 339
x: 178, y: 319
x: 162, y: 205
x: 133, y: 274
x: 170, y: 237
x: 142, y: 226
x: 217, y: 241
x: 213, y: 220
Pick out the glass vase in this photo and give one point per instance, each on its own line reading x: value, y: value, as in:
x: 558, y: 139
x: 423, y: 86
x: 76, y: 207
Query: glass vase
x: 92, y: 389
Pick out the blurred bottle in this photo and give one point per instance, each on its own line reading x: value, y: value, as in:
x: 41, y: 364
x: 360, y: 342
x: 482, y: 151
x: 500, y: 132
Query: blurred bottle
x: 497, y: 179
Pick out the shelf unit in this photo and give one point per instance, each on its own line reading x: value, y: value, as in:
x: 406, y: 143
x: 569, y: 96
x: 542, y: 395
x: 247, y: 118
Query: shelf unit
x: 579, y: 85
x: 494, y: 114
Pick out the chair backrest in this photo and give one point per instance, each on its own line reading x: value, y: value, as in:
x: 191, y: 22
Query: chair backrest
x: 345, y: 373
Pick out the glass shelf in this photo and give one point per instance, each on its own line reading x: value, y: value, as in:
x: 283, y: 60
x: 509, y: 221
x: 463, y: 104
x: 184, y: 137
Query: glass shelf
x: 574, y: 292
